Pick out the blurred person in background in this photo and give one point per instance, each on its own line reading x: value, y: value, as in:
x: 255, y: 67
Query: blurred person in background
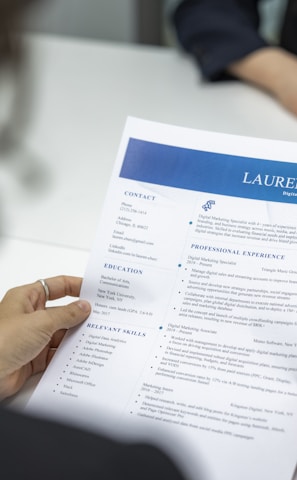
x: 16, y: 91
x: 225, y: 38
x: 11, y: 58
x: 30, y: 332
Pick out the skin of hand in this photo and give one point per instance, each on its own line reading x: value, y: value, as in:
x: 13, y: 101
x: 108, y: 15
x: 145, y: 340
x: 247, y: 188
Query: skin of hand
x: 30, y: 331
x: 273, y: 69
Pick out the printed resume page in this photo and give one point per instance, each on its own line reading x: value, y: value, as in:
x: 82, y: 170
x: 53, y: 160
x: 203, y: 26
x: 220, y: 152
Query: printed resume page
x: 193, y: 286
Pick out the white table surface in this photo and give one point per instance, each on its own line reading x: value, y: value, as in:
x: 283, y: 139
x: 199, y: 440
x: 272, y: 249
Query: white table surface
x: 83, y: 91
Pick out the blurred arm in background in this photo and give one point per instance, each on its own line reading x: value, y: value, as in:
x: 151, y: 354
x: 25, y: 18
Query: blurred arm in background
x: 224, y: 38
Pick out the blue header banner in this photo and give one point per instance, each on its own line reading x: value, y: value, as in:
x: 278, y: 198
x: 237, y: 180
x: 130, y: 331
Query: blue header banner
x: 210, y: 172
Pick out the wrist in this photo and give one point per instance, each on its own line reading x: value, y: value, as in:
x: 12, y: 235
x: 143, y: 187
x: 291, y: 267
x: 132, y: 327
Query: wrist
x: 265, y: 68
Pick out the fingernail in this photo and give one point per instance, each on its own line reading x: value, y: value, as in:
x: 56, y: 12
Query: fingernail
x: 84, y: 306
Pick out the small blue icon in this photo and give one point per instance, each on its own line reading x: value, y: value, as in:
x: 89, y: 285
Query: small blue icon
x: 208, y: 205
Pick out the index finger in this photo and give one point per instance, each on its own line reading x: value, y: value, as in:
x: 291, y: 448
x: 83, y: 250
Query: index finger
x: 30, y: 297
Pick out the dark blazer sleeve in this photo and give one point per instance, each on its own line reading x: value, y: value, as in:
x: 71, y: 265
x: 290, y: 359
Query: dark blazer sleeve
x: 35, y: 449
x: 218, y: 32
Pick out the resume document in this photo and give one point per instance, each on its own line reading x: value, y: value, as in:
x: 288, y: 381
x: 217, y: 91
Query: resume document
x: 192, y: 279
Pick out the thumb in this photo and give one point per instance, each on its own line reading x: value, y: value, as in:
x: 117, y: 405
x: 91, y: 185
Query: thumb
x: 69, y: 315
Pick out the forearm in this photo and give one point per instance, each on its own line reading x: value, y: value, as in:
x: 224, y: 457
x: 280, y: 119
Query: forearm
x: 272, y: 69
x: 264, y: 67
